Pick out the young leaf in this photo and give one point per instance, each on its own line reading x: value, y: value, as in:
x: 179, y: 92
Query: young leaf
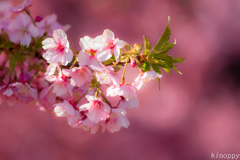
x: 147, y: 44
x: 93, y: 82
x: 164, y: 38
x: 178, y: 60
x: 14, y: 59
x: 156, y: 68
x: 117, y: 67
x: 146, y: 67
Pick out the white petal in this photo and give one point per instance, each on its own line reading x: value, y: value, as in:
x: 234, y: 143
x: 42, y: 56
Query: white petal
x: 86, y: 42
x: 104, y: 55
x: 59, y: 35
x: 116, y: 53
x: 99, y: 42
x: 108, y: 33
x: 48, y: 43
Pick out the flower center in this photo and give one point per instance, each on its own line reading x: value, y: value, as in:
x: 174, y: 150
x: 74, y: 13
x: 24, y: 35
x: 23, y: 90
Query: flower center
x: 111, y: 45
x: 60, y: 47
x: 97, y: 104
x: 92, y: 52
x: 24, y: 31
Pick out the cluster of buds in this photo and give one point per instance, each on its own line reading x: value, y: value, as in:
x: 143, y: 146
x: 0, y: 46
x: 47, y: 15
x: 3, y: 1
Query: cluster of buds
x: 38, y: 67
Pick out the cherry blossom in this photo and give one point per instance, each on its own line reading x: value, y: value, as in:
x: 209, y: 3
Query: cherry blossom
x: 144, y: 78
x: 127, y: 91
x: 116, y: 120
x: 106, y: 75
x: 21, y: 29
x: 107, y: 45
x: 25, y: 4
x: 24, y: 92
x: 128, y: 104
x: 65, y: 109
x: 7, y: 90
x: 47, y: 98
x: 4, y: 14
x: 79, y: 75
x: 57, y: 48
x: 87, y: 55
x: 97, y: 109
x: 48, y: 24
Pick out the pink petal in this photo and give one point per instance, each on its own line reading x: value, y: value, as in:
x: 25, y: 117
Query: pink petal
x: 83, y: 58
x: 33, y: 30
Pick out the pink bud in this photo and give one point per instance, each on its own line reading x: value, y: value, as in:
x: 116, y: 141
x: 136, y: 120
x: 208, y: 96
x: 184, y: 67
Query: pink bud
x: 39, y: 18
x: 133, y: 63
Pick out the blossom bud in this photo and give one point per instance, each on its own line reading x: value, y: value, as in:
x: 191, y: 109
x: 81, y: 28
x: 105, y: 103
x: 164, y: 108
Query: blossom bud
x: 39, y: 18
x: 137, y: 48
x: 133, y: 62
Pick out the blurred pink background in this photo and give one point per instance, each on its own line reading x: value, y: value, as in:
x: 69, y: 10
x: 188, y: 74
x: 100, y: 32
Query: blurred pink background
x: 192, y: 115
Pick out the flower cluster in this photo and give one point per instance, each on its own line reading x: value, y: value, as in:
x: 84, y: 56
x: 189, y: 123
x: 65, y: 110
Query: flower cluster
x: 38, y: 67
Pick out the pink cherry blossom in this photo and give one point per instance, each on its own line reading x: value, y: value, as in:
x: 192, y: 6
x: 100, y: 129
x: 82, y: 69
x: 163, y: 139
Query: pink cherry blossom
x: 48, y: 24
x: 128, y: 104
x: 24, y: 92
x: 144, y: 78
x: 47, y: 98
x: 97, y: 110
x: 65, y: 109
x: 116, y: 120
x: 61, y: 85
x: 87, y: 55
x: 79, y: 75
x: 107, y: 45
x: 106, y: 75
x: 57, y: 48
x: 7, y: 95
x: 25, y: 4
x: 4, y: 14
x: 127, y: 91
x: 21, y: 30
x: 7, y: 90
x: 87, y: 125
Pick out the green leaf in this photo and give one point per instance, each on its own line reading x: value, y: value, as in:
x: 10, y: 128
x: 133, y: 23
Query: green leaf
x: 7, y: 44
x: 146, y: 67
x: 159, y: 83
x: 178, y: 60
x: 109, y: 61
x: 164, y: 38
x: 117, y: 67
x: 166, y: 70
x: 156, y: 68
x: 14, y: 59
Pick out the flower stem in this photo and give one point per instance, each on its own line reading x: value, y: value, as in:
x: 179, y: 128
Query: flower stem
x: 119, y: 61
x: 104, y: 98
x: 84, y: 94
x: 73, y: 63
x: 123, y: 79
x: 28, y: 12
